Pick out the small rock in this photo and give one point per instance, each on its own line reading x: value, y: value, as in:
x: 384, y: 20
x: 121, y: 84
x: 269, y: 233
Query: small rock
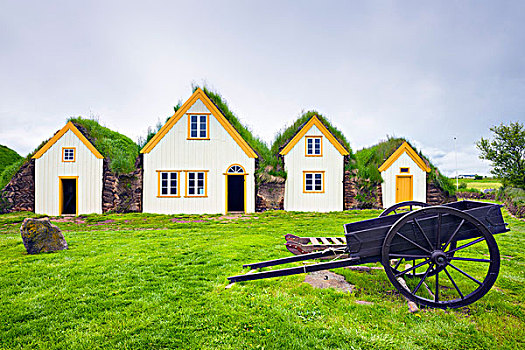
x: 363, y: 302
x: 327, y: 279
x: 412, y: 307
x: 40, y: 236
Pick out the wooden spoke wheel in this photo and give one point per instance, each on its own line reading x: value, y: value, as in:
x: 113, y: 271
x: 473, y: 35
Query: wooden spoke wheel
x: 454, y: 276
x: 402, y: 207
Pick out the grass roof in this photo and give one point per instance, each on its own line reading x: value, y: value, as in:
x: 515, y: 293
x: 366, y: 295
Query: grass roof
x: 119, y: 150
x: 267, y: 170
x: 370, y: 159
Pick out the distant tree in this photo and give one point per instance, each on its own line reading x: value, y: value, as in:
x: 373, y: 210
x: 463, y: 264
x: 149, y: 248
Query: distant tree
x: 506, y: 152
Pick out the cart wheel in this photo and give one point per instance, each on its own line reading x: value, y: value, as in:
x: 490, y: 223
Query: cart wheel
x: 404, y: 207
x: 453, y: 277
x: 412, y: 205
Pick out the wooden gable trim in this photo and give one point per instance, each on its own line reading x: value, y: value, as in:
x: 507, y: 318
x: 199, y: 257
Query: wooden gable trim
x: 58, y: 135
x: 199, y: 94
x: 314, y: 121
x: 405, y: 147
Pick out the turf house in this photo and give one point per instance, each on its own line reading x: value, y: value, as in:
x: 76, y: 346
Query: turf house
x: 201, y: 161
x: 84, y: 168
x: 404, y: 176
x: 314, y: 155
x: 394, y: 171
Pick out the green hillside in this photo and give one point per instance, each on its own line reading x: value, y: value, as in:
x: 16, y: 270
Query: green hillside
x: 7, y: 157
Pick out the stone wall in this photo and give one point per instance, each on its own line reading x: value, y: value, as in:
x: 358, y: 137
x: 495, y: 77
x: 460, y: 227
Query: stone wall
x: 436, y: 196
x: 19, y: 193
x: 269, y: 196
x: 360, y: 193
x: 122, y: 193
x: 349, y: 191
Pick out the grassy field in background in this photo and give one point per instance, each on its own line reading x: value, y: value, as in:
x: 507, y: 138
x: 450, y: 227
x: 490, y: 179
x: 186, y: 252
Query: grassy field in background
x: 480, y: 185
x: 139, y: 281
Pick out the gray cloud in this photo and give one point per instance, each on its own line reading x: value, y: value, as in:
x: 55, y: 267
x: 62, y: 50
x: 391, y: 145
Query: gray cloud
x: 426, y: 71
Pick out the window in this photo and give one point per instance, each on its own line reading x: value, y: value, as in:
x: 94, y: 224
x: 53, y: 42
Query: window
x: 236, y: 169
x: 168, y: 183
x: 404, y: 170
x: 314, y: 146
x: 68, y: 154
x: 196, y: 183
x: 313, y: 182
x: 198, y: 127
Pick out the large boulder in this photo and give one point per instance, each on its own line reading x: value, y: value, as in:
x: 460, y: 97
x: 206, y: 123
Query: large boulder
x: 40, y: 236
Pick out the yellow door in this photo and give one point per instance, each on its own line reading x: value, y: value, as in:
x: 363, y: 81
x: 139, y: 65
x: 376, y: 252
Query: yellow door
x: 404, y: 188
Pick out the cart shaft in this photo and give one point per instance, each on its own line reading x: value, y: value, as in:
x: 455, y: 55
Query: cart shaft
x: 290, y: 259
x: 296, y: 270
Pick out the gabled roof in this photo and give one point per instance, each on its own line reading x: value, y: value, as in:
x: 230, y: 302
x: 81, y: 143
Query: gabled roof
x: 200, y: 94
x: 304, y: 129
x: 405, y: 148
x: 58, y: 135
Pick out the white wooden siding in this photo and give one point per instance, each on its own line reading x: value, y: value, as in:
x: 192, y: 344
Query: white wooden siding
x: 419, y: 178
x: 176, y: 152
x: 49, y: 167
x: 332, y: 163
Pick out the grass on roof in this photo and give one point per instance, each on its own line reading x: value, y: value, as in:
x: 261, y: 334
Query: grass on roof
x: 370, y: 159
x: 268, y: 168
x: 120, y: 150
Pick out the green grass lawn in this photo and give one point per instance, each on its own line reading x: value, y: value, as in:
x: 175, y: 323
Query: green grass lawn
x: 139, y: 281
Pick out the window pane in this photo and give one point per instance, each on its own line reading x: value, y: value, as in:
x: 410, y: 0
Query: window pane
x: 164, y: 191
x: 193, y: 126
x: 203, y: 126
x: 173, y: 183
x: 164, y: 176
x: 164, y: 183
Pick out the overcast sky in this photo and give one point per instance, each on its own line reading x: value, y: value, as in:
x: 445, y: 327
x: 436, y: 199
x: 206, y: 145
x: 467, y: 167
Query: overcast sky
x: 427, y: 71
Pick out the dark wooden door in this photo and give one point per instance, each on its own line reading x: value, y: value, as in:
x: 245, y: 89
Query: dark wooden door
x: 69, y: 196
x: 235, y: 192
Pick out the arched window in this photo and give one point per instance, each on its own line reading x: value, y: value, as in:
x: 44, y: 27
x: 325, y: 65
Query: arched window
x: 236, y: 169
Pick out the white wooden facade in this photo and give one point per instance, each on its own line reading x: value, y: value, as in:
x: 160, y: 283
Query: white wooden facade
x: 301, y: 193
x: 173, y: 150
x: 84, y: 165
x: 404, y: 176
